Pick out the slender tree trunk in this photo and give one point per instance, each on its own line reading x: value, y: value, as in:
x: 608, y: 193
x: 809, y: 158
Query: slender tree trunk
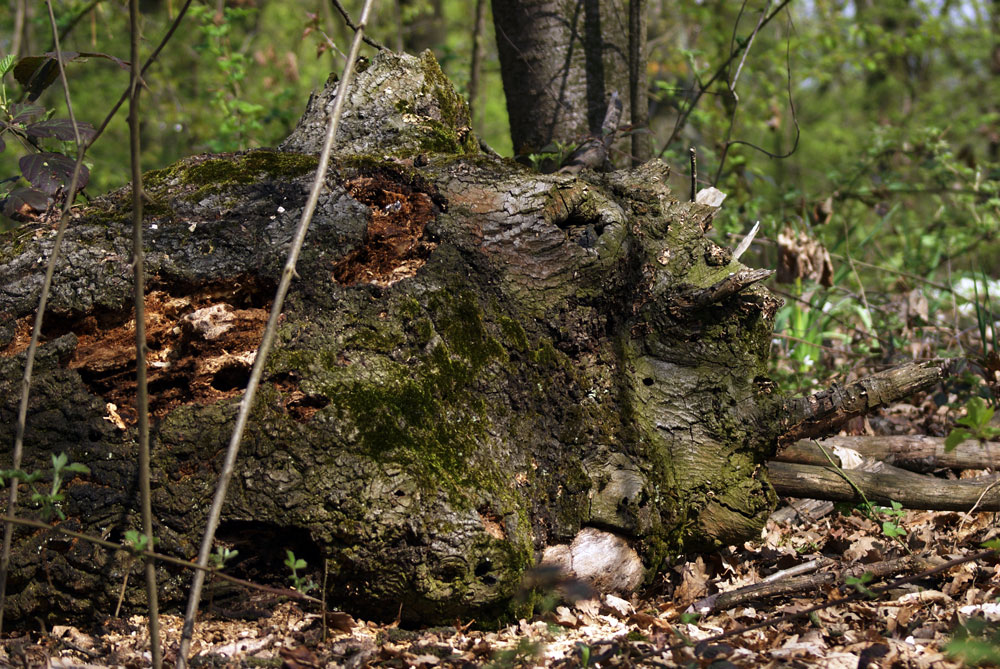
x: 475, y: 70
x: 20, y: 9
x: 426, y: 28
x: 398, y: 9
x: 560, y: 61
x: 638, y: 85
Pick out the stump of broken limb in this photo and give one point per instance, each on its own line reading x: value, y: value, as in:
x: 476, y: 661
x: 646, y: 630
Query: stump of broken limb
x: 476, y: 363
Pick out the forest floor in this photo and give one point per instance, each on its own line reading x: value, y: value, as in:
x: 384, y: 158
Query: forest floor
x: 808, y: 550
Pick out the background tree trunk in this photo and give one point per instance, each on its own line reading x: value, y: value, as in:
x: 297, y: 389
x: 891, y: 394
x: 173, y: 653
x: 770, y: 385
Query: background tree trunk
x: 642, y: 139
x: 560, y: 61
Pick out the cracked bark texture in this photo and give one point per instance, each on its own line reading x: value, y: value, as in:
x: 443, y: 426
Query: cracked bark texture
x: 506, y: 359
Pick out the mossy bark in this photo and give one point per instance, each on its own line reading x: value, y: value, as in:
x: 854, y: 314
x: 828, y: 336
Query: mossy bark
x: 475, y: 362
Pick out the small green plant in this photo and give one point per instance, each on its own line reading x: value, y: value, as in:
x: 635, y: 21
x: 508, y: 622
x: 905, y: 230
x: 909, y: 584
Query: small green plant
x: 552, y: 155
x: 523, y: 654
x: 975, y: 643
x: 239, y: 119
x: 808, y: 321
x: 861, y: 584
x: 136, y: 541
x: 584, y: 651
x: 891, y: 514
x: 887, y: 517
x: 223, y: 555
x: 48, y: 502
x: 990, y: 361
x: 302, y: 584
x: 975, y: 424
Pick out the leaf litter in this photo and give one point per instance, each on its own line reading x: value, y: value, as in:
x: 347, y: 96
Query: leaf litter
x: 802, y: 559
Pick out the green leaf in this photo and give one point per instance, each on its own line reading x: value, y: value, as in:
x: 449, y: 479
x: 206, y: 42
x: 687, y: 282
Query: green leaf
x: 49, y: 171
x: 859, y: 584
x: 135, y: 540
x: 59, y: 461
x: 979, y: 412
x: 892, y: 530
x: 956, y: 437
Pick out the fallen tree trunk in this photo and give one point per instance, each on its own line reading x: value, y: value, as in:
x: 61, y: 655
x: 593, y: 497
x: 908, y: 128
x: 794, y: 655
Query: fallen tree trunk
x: 475, y: 363
x: 913, y: 491
x: 913, y: 452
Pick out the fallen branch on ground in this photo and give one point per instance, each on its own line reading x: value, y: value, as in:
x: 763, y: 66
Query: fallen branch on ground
x: 913, y: 491
x: 913, y: 452
x: 790, y: 584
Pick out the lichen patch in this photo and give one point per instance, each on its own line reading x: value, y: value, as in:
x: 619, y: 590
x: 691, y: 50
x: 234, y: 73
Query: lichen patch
x: 396, y: 243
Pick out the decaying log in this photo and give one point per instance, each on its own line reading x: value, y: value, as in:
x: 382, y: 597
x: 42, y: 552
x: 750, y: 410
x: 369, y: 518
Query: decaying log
x: 891, y: 484
x: 912, y: 452
x: 476, y: 362
x: 821, y: 413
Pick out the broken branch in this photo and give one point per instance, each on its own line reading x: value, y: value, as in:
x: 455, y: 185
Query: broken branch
x: 821, y: 413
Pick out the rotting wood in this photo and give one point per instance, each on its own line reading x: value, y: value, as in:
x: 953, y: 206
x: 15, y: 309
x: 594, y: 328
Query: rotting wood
x: 913, y: 491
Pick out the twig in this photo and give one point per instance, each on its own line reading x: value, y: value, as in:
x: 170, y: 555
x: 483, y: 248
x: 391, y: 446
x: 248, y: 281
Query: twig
x: 723, y: 69
x: 47, y: 284
x: 642, y: 145
x: 20, y: 10
x: 29, y: 362
x: 267, y: 341
x: 83, y: 11
x: 795, y: 118
x: 356, y: 28
x: 145, y: 66
x: 732, y: 83
x: 857, y: 596
x: 326, y: 574
x: 476, y: 67
x: 968, y: 514
x: 142, y: 393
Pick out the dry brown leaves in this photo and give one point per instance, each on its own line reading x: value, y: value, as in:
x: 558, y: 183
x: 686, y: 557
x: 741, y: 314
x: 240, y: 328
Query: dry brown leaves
x: 908, y: 626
